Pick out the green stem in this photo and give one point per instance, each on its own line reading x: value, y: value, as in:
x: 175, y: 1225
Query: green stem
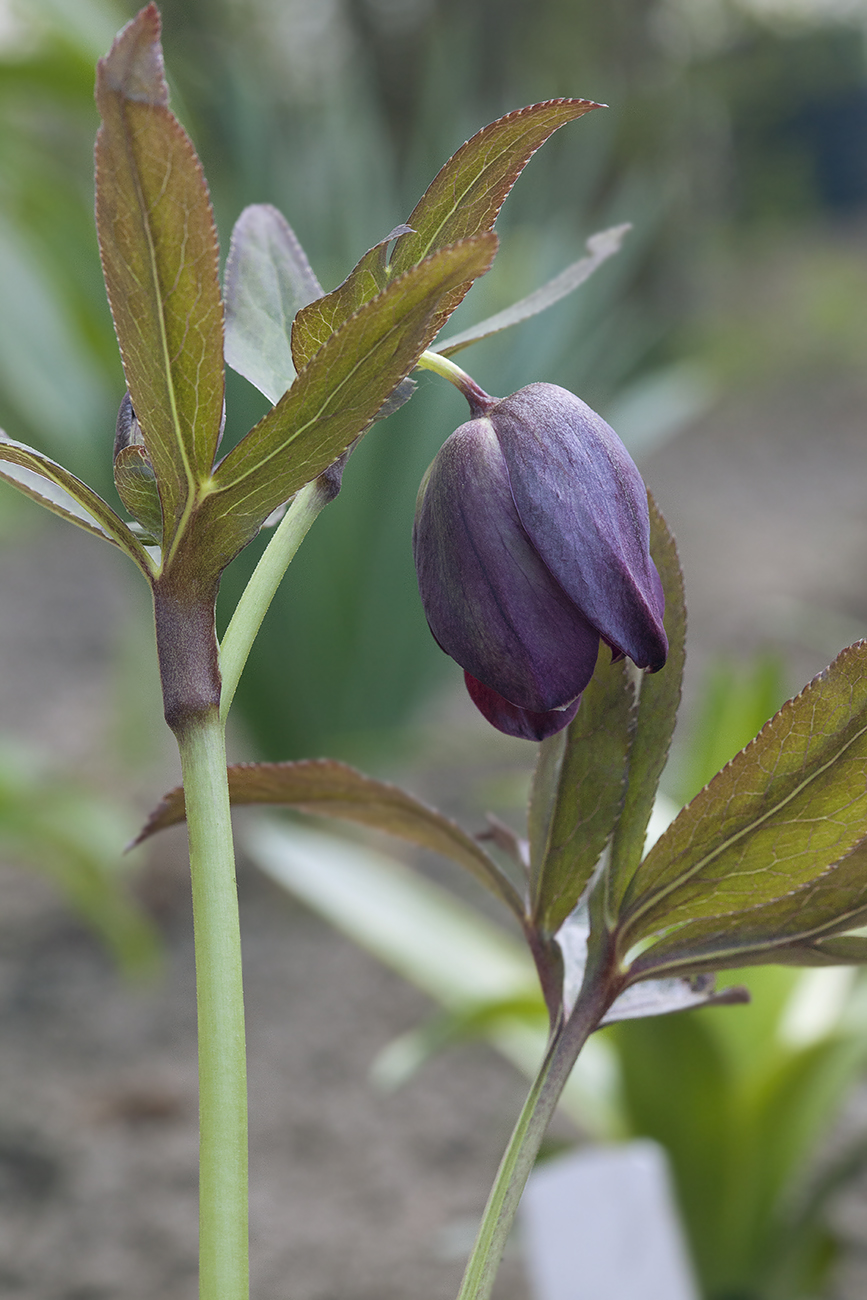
x: 520, y: 1154
x: 263, y: 584
x: 480, y: 401
x: 223, y: 1245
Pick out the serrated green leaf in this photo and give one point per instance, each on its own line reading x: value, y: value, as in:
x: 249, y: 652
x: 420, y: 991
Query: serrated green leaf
x: 543, y: 794
x: 658, y: 701
x: 35, y: 475
x: 590, y: 780
x: 467, y: 193
x: 790, y: 805
x: 317, y: 321
x: 841, y: 950
x: 333, y: 400
x: 331, y: 789
x: 159, y: 253
x: 464, y: 199
x: 600, y: 247
x: 833, y: 902
x: 268, y: 280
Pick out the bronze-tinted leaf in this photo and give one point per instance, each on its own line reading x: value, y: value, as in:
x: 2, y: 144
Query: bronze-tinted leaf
x: 832, y: 903
x: 331, y: 789
x: 658, y: 701
x: 137, y: 488
x: 317, y: 321
x: 467, y: 193
x: 463, y: 200
x: 333, y: 400
x: 35, y: 475
x: 589, y: 783
x: 843, y: 950
x: 159, y: 255
x: 790, y: 805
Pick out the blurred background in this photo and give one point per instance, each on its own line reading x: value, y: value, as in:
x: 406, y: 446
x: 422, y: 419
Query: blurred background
x: 725, y: 343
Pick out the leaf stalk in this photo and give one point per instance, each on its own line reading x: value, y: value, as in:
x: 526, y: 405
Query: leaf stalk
x: 266, y: 578
x: 480, y: 401
x: 566, y: 1042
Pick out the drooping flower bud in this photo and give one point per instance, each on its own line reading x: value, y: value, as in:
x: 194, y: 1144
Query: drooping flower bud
x: 531, y: 544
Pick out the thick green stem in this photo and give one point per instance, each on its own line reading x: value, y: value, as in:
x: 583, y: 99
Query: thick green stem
x: 263, y: 584
x: 223, y: 1248
x: 520, y: 1154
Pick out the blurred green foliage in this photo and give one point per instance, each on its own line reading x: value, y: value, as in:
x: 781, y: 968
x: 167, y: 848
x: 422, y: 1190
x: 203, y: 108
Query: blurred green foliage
x: 740, y: 1104
x: 73, y: 837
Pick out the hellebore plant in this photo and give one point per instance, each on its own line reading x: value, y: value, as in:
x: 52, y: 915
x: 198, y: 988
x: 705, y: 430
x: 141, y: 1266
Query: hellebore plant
x: 543, y: 570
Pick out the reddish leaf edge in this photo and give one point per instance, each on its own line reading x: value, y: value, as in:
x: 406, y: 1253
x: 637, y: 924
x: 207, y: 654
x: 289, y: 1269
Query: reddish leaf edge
x: 631, y: 913
x: 170, y: 811
x: 133, y: 68
x: 454, y: 163
x: 107, y: 524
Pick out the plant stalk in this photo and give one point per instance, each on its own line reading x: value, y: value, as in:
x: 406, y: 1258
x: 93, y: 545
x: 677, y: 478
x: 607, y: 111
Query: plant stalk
x: 480, y: 401
x: 520, y: 1154
x: 264, y: 581
x: 223, y: 1213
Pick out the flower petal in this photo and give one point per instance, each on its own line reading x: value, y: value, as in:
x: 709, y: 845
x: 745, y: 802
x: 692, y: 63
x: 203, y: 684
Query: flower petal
x: 490, y: 601
x: 523, y: 723
x: 583, y: 504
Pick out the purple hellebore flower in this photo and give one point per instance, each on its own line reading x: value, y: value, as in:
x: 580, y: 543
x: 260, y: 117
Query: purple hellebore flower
x: 531, y: 544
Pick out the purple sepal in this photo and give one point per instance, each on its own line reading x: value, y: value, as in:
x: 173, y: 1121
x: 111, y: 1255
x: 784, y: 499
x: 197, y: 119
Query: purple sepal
x: 514, y: 721
x: 532, y: 543
x: 583, y: 504
x: 490, y: 601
